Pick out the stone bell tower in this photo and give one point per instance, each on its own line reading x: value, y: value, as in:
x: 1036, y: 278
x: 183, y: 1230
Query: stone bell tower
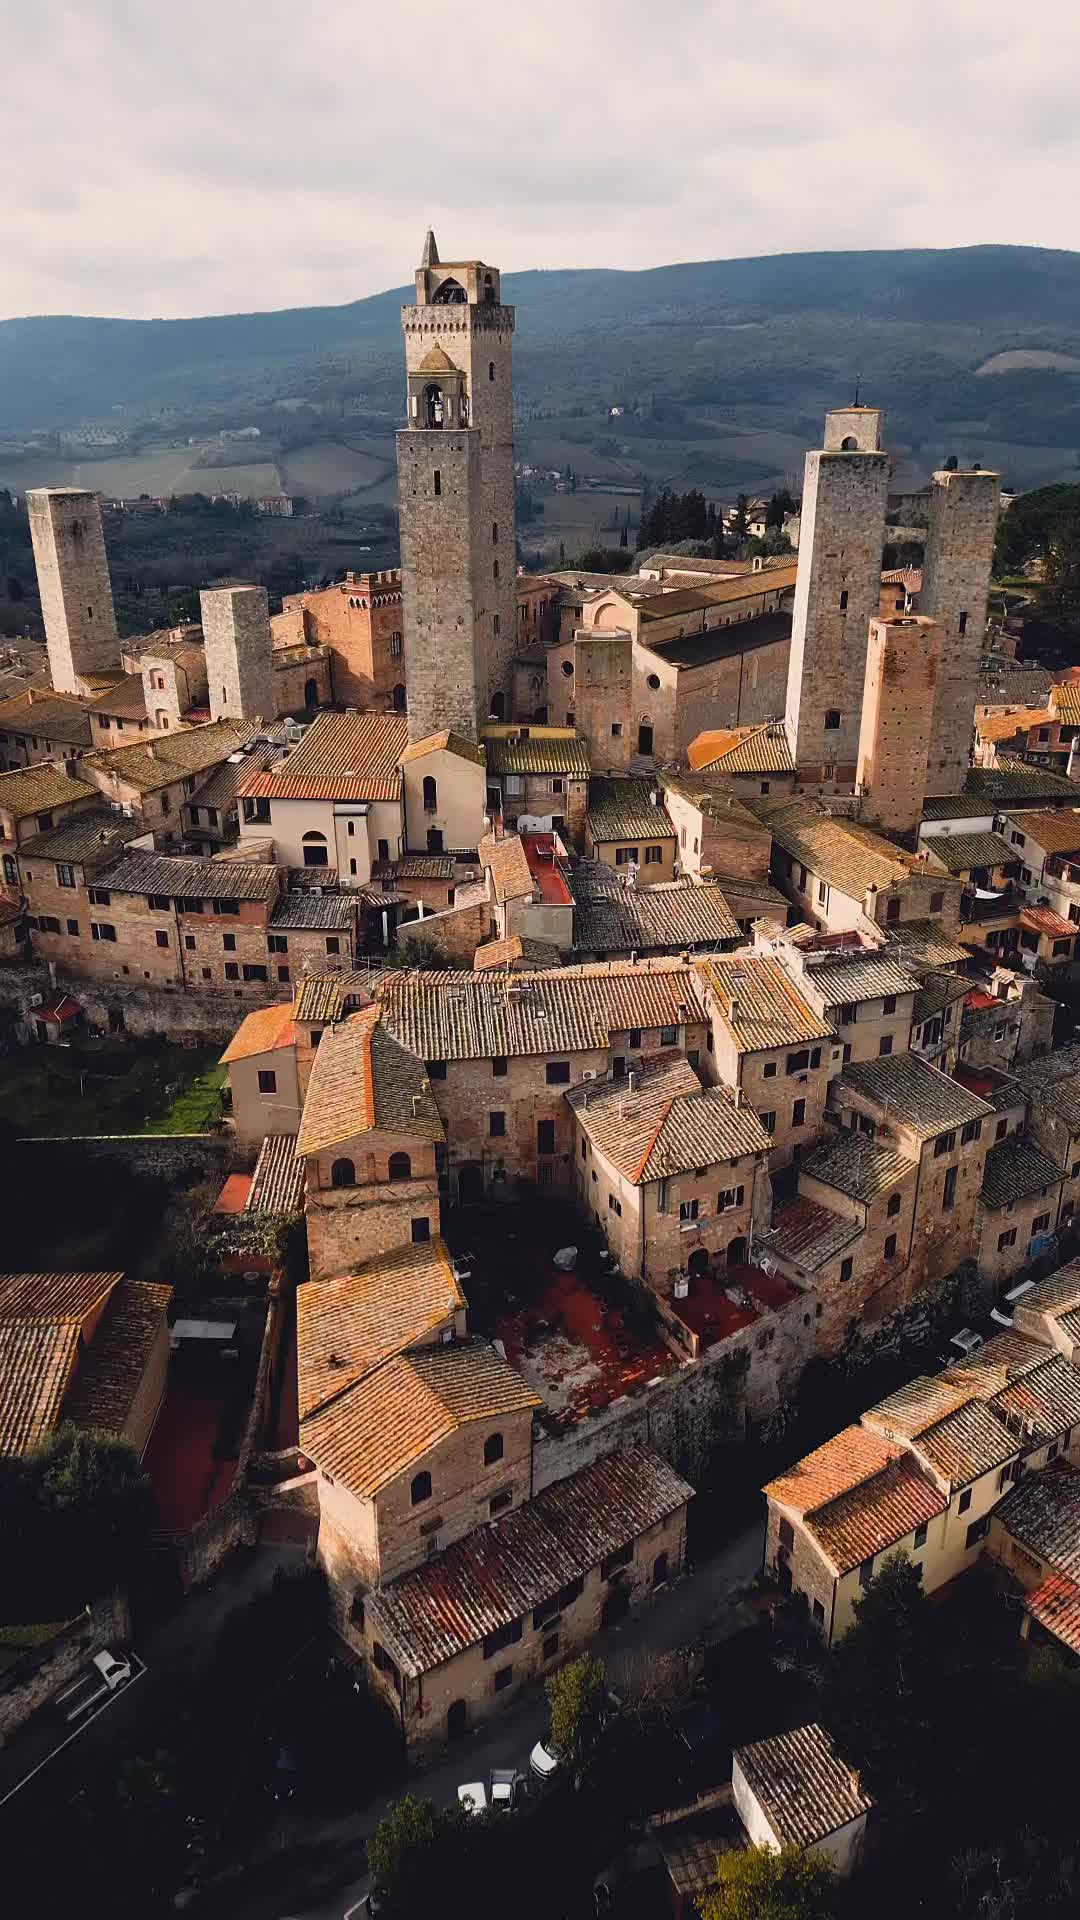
x: 456, y: 497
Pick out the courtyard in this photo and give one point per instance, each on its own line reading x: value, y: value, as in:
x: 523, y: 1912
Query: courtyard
x: 111, y: 1086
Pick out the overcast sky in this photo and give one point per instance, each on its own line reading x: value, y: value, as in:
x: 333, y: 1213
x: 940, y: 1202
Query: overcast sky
x: 220, y: 155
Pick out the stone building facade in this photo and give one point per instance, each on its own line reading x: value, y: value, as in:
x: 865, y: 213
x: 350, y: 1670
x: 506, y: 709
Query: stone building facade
x: 955, y: 584
x: 837, y: 593
x: 359, y: 620
x: 236, y: 635
x: 73, y: 581
x: 903, y: 662
x: 456, y: 498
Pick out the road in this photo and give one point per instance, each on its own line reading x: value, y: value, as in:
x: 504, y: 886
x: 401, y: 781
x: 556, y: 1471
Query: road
x: 700, y: 1609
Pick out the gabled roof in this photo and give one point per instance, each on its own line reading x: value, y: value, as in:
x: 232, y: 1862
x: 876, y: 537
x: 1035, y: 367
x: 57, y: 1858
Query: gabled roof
x: 343, y: 756
x: 505, y: 859
x: 810, y: 1235
x: 98, y: 834
x: 803, y: 1787
x: 959, y: 852
x: 915, y: 1093
x: 965, y: 1444
x: 177, y: 877
x: 347, y: 1326
x: 318, y: 912
x: 1014, y: 1170
x: 40, y: 789
x: 1006, y: 726
x: 844, y: 979
x: 1012, y: 782
x: 1054, y: 1082
x: 1055, y: 1605
x: 877, y: 1514
x: 1065, y: 701
x: 547, y: 752
x: 54, y: 1296
x: 666, y: 1123
x: 625, y: 810
x: 363, y: 1079
x: 846, y: 855
x: 165, y: 759
x: 462, y: 1016
x: 110, y: 1372
x: 1043, y: 1513
x: 445, y: 742
x: 277, y: 1184
x: 763, y: 749
x: 676, y: 916
x: 858, y: 1166
x: 37, y: 1359
x: 1043, y: 920
x: 262, y: 1031
x: 924, y: 944
x: 759, y: 1004
x: 938, y: 991
x: 51, y: 716
x: 1053, y: 832
x: 850, y: 1458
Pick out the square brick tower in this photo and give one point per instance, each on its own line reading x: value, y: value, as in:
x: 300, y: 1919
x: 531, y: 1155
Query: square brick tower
x: 903, y: 662
x: 236, y: 635
x: 955, y: 585
x: 456, y: 497
x: 837, y: 594
x: 73, y: 580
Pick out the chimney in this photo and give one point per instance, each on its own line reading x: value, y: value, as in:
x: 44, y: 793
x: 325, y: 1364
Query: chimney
x: 739, y: 1096
x: 630, y: 1080
x: 71, y: 768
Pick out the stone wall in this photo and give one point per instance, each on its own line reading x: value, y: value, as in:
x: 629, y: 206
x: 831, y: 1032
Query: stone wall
x: 458, y: 931
x: 955, y: 585
x: 902, y: 666
x: 35, y: 1677
x: 73, y: 580
x: 236, y: 634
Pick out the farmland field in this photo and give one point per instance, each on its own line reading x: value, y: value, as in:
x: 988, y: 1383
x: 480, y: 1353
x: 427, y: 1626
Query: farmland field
x: 156, y: 470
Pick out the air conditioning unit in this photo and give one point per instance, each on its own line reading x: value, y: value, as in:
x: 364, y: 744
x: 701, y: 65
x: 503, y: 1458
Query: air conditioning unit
x: 589, y: 1074
x: 37, y: 999
x: 682, y: 1287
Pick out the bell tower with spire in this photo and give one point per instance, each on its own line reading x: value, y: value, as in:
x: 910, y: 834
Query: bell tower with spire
x: 456, y: 497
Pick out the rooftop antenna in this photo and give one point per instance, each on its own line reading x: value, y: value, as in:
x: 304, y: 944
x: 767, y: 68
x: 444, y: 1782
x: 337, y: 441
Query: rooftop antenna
x: 855, y: 402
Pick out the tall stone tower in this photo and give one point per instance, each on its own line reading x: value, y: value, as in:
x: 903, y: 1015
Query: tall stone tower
x: 837, y: 593
x: 956, y: 581
x: 236, y: 635
x: 903, y: 660
x: 456, y: 497
x: 73, y: 580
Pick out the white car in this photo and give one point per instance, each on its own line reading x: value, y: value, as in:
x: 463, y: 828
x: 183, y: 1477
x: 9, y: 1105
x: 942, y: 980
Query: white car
x: 473, y: 1797
x: 508, y: 1789
x: 542, y: 1762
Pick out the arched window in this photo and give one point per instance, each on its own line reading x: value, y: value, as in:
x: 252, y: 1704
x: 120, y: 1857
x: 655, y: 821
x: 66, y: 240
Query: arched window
x: 849, y: 445
x: 399, y: 698
x: 431, y: 794
x: 434, y: 410
x: 399, y: 1167
x: 343, y: 1174
x: 450, y: 294
x: 311, y: 693
x: 491, y: 369
x: 315, y: 854
x: 421, y: 1488
x: 498, y: 705
x: 493, y: 1449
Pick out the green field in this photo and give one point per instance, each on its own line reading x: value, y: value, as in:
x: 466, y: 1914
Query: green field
x: 111, y: 1087
x: 156, y: 470
x: 336, y: 466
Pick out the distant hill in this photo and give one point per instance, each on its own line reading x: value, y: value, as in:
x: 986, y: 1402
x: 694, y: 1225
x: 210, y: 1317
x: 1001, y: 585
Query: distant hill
x: 726, y: 346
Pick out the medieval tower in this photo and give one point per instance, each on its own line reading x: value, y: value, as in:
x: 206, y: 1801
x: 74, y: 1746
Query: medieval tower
x: 456, y: 497
x: 837, y: 593
x: 955, y: 586
x: 73, y: 580
x: 239, y: 669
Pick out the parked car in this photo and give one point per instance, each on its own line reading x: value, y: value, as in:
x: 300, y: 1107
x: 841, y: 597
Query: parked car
x: 960, y: 1345
x: 473, y: 1797
x: 507, y: 1788
x: 543, y: 1764
x: 108, y: 1671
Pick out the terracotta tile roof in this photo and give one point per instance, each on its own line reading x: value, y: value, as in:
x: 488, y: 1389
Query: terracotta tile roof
x: 126, y: 700
x: 408, y: 1405
x: 1005, y: 726
x: 843, y: 979
x: 261, y: 1032
x: 747, y: 750
x: 1012, y: 686
x: 966, y: 1444
x: 1043, y: 1513
x: 165, y: 759
x: 506, y: 953
x: 1034, y: 1390
x: 461, y: 1016
x: 660, y: 604
x: 848, y: 856
x: 919, y: 1405
x: 445, y: 742
x: 40, y: 789
x: 760, y: 1005
x: 111, y: 1370
x: 326, y: 996
x: 1059, y: 1293
x: 804, y: 1789
x: 678, y: 916
x: 624, y: 810
x: 178, y: 877
x: 505, y: 860
x: 343, y: 756
x: 1012, y: 782
x: 1042, y: 920
x: 416, y: 866
x: 277, y: 1184
x: 54, y: 1296
x: 347, y: 1326
x: 318, y: 912
x: 809, y: 1235
x: 876, y: 1515
x: 1056, y: 832
x: 938, y: 991
x: 97, y: 834
x: 1015, y: 1169
x: 959, y: 852
x: 923, y: 944
x: 666, y: 1123
x: 498, y: 1573
x: 915, y: 1093
x: 1054, y: 1082
x: 566, y: 753
x: 362, y: 1078
x: 1056, y: 1606
x: 712, y: 795
x: 221, y: 787
x: 47, y: 716
x: 1065, y: 701
x: 37, y: 1358
x: 850, y: 1458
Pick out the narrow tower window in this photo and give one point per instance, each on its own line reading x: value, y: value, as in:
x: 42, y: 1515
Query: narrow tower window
x: 963, y: 622
x: 491, y: 369
x: 843, y: 601
x: 431, y: 795
x: 495, y: 542
x: 832, y: 719
x: 436, y: 479
x: 494, y: 569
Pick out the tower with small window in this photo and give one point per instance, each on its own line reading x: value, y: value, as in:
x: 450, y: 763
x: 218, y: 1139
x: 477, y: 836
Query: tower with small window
x: 456, y: 497
x: 955, y: 586
x: 73, y: 581
x: 239, y: 665
x: 837, y: 593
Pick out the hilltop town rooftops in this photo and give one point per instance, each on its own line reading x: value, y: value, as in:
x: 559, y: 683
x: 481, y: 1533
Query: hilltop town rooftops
x: 323, y: 912
x: 124, y: 701
x: 711, y: 794
x: 759, y: 1003
x: 848, y: 856
x: 97, y: 833
x: 809, y: 1235
x: 43, y: 1352
x: 406, y: 1406
x: 743, y: 750
x: 1052, y: 832
x: 856, y: 1165
x: 852, y: 1457
x: 876, y: 1514
x: 844, y: 979
x: 922, y: 945
x: 46, y: 716
x: 349, y: 1324
x: 362, y: 1079
x: 966, y: 1443
x: 1014, y: 1170
x: 1043, y: 1514
x: 261, y: 1031
x: 1012, y: 782
x: 537, y: 751
x: 665, y: 1123
x: 445, y: 742
x: 803, y: 1787
x: 176, y: 877
x: 915, y: 1093
x: 28, y: 790
x: 626, y: 810
x: 220, y: 789
x: 921, y: 1404
x: 499, y: 1572
x: 462, y: 1016
x: 343, y: 756
x: 168, y: 758
x: 505, y: 859
x: 277, y: 1184
x: 677, y: 915
x: 960, y: 852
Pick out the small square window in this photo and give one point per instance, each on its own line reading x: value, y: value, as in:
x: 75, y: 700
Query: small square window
x: 498, y: 1068
x: 557, y: 1073
x: 162, y: 939
x: 496, y: 1125
x: 228, y: 941
x: 267, y: 1080
x: 964, y: 1501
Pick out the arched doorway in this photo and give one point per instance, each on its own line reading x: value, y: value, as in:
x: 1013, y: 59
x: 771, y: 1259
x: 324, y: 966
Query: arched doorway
x: 660, y: 1570
x: 457, y: 1719
x: 698, y: 1262
x: 311, y: 694
x: 616, y: 1606
x: 736, y: 1253
x: 498, y: 705
x: 399, y: 698
x: 470, y: 1183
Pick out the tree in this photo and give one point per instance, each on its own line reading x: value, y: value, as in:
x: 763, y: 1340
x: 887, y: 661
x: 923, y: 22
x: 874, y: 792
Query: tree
x: 416, y: 1856
x: 757, y: 1884
x: 576, y: 1696
x: 1061, y: 592
x: 951, y: 464
x: 782, y: 503
x: 74, y: 1515
x: 882, y: 1683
